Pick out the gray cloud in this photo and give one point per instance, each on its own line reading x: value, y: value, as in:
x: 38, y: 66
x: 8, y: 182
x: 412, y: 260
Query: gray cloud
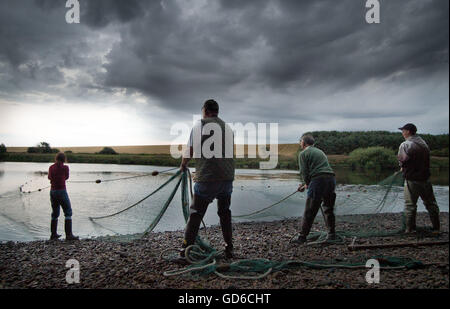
x: 284, y: 61
x: 304, y: 44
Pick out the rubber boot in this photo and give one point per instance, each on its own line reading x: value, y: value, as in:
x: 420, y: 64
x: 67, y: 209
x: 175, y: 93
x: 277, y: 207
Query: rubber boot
x: 410, y: 220
x: 53, y: 229
x: 68, y: 230
x: 329, y: 217
x: 331, y: 221
x: 435, y: 223
x: 198, y: 209
x: 224, y: 213
x: 311, y: 209
x: 299, y: 239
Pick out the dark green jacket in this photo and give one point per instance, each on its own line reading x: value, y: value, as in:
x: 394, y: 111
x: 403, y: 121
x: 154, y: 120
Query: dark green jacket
x: 313, y: 162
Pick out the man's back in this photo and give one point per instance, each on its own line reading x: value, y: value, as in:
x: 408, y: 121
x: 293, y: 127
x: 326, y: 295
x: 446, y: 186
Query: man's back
x: 313, y: 162
x: 58, y: 173
x: 414, y: 157
x: 219, y: 168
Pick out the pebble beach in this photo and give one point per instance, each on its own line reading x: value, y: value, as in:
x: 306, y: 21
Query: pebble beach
x: 137, y: 264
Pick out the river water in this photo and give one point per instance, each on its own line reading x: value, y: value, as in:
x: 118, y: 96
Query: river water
x: 26, y: 216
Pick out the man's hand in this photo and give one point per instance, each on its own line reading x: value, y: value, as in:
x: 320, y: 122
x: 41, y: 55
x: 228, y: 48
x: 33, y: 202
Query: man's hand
x: 184, y: 164
x: 182, y: 167
x: 302, y: 187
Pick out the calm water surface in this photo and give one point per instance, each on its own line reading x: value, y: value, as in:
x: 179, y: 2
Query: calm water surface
x: 26, y: 217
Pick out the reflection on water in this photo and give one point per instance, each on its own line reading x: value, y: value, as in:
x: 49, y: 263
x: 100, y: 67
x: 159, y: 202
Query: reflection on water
x: 25, y: 217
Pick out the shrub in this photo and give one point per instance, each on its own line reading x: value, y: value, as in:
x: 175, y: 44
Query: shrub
x: 3, y: 148
x: 33, y: 150
x: 43, y: 147
x: 377, y: 158
x: 108, y: 150
x: 440, y: 153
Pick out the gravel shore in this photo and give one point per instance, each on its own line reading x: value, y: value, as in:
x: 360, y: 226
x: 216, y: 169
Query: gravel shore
x: 137, y: 264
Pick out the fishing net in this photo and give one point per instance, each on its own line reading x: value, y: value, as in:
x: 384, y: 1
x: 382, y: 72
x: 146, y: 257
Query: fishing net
x: 92, y: 194
x: 145, y: 211
x: 203, y: 257
x: 144, y: 214
x: 351, y: 202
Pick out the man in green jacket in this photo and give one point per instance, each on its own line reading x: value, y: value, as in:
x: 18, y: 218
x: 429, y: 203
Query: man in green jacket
x: 320, y: 182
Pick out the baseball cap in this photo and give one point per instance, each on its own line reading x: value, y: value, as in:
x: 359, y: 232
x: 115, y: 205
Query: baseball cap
x: 410, y: 127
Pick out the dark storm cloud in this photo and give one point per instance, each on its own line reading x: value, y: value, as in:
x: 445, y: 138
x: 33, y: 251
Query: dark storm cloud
x: 181, y: 59
x: 264, y: 60
x: 100, y: 13
x: 37, y: 45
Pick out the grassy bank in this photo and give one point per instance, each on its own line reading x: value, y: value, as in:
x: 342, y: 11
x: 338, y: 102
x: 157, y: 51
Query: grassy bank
x: 284, y: 162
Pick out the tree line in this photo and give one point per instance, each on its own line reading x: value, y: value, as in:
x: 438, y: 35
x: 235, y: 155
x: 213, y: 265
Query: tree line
x: 334, y: 142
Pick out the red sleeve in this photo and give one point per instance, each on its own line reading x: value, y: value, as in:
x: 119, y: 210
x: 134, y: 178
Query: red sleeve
x: 67, y: 172
x: 50, y: 173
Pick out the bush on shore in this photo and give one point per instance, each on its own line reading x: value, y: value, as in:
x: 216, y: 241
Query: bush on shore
x: 43, y: 147
x: 108, y: 150
x: 373, y: 158
x: 3, y: 148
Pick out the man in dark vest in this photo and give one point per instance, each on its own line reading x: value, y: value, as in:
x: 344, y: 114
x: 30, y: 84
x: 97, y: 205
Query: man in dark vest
x: 414, y: 160
x: 211, y: 144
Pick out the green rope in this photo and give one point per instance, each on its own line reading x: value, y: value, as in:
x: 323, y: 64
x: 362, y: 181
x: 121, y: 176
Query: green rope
x: 163, y: 210
x: 203, y: 257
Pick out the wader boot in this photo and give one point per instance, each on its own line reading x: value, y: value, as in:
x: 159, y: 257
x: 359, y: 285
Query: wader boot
x: 329, y: 217
x: 432, y: 207
x: 224, y: 213
x: 299, y: 239
x: 53, y: 229
x: 410, y: 222
x: 68, y: 230
x: 435, y: 222
x: 311, y: 209
x: 197, y: 211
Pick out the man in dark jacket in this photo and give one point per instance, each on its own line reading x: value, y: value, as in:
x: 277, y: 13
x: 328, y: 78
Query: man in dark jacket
x: 414, y: 160
x: 214, y: 173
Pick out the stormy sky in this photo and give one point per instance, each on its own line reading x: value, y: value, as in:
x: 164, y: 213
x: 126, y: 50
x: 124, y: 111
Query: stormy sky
x: 132, y: 69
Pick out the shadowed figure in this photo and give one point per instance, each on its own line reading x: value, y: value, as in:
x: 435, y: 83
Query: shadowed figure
x: 214, y: 174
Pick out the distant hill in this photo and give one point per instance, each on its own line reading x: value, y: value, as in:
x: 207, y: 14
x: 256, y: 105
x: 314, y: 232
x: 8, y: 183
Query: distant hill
x: 331, y: 142
x: 287, y: 150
